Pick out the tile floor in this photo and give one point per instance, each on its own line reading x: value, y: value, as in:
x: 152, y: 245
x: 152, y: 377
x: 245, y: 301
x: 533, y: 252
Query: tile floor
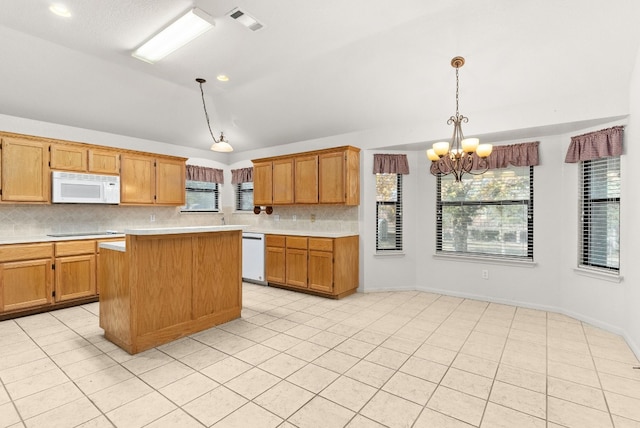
x: 398, y: 359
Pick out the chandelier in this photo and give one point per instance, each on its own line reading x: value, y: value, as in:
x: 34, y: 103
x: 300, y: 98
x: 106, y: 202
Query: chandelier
x: 220, y: 145
x: 457, y: 157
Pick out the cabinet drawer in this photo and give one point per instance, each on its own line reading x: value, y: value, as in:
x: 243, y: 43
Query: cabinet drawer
x: 10, y: 253
x: 297, y: 242
x: 275, y: 241
x: 73, y: 248
x: 321, y: 244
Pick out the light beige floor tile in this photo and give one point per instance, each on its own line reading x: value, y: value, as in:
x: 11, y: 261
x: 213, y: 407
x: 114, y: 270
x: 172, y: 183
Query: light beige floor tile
x: 336, y: 361
x: 71, y: 414
x: 174, y: 419
x: 520, y: 399
x: 261, y: 319
x: 103, y: 379
x: 371, y: 337
x: 387, y: 358
x: 477, y: 365
x: 321, y: 413
x: 259, y: 334
x: 523, y: 358
x: 225, y: 370
x: 435, y: 354
x: 202, y: 359
x: 616, y: 368
x: 349, y: 393
x: 4, y: 396
x: 523, y: 378
x: 573, y: 374
x: 116, y: 395
x: 410, y: 388
x: 458, y: 405
x: 140, y: 412
x: 327, y: 339
x: 620, y: 422
x: 355, y: 347
x: 280, y: 325
x: 256, y: 354
x: 446, y: 340
x: 89, y: 366
x: 147, y: 360
x: 574, y: 415
x: 166, y: 374
x: 99, y: 422
x: 182, y: 347
x: 427, y: 370
x: 49, y: 399
x: 26, y: 370
x: 400, y: 344
x: 370, y: 373
x: 19, y: 358
x: 360, y: 421
x: 282, y: 365
x: 284, y: 399
x: 496, y: 416
x: 432, y: 419
x: 252, y: 383
x: 281, y: 342
x: 620, y: 385
x: 390, y: 410
x: 37, y: 383
x: 576, y: 393
x: 624, y: 406
x: 469, y: 383
x: 8, y: 415
x: 212, y: 336
x: 188, y: 388
x: 580, y: 359
x: 249, y: 415
x: 307, y: 351
x: 214, y: 405
x: 313, y: 378
x: 233, y: 345
x: 75, y: 355
x: 303, y: 332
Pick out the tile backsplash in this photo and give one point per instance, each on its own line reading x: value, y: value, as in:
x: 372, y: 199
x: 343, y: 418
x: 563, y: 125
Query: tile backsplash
x: 31, y: 220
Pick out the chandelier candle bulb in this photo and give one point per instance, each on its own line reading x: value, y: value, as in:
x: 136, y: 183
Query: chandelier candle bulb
x: 484, y: 150
x: 469, y: 145
x: 441, y: 148
x: 431, y: 154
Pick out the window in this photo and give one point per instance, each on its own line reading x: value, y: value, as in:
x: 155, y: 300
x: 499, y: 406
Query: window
x: 600, y: 214
x: 201, y: 196
x: 486, y: 215
x: 388, y: 212
x: 244, y: 196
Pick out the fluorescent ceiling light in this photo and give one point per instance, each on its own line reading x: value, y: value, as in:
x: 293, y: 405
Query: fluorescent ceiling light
x: 179, y: 33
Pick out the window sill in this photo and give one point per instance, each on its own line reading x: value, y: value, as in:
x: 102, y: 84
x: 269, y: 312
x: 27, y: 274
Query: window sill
x: 598, y: 274
x: 390, y: 253
x: 200, y: 212
x: 486, y: 260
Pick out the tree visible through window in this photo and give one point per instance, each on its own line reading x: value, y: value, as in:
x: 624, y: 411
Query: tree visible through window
x: 201, y: 196
x: 244, y: 196
x: 388, y: 212
x: 489, y: 214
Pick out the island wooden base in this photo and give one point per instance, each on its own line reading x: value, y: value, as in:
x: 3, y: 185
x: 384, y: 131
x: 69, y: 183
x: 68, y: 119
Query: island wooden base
x: 312, y: 292
x: 164, y: 287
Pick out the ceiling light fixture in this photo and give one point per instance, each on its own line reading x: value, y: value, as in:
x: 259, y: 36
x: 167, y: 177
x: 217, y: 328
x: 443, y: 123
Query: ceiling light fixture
x: 177, y: 34
x: 60, y: 10
x: 220, y: 145
x: 245, y: 19
x: 457, y: 158
x: 222, y: 77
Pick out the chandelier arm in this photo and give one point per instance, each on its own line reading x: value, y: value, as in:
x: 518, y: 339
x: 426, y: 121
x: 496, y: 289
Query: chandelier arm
x: 206, y: 114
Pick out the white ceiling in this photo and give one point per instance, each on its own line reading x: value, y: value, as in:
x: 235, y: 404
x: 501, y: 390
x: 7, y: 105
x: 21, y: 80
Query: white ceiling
x: 318, y: 68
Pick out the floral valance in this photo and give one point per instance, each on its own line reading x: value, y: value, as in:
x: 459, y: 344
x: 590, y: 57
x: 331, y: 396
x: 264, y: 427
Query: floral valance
x: 521, y: 154
x: 390, y: 164
x: 203, y: 173
x: 242, y: 175
x: 595, y: 145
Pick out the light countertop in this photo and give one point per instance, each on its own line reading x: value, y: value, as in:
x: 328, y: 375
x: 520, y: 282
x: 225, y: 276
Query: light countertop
x: 5, y: 240
x: 315, y: 234
x: 115, y: 245
x: 178, y: 230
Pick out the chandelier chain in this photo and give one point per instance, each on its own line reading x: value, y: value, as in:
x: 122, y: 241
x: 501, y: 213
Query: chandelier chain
x: 206, y: 114
x: 457, y: 91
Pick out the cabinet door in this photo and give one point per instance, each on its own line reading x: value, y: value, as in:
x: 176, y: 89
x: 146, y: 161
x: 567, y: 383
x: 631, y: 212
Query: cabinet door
x: 297, y: 267
x: 25, y: 170
x: 262, y: 183
x: 68, y: 158
x: 275, y: 264
x: 137, y: 179
x: 321, y: 271
x: 75, y: 277
x: 331, y: 176
x: 283, y: 182
x: 306, y: 181
x: 104, y: 161
x: 25, y: 284
x: 170, y: 182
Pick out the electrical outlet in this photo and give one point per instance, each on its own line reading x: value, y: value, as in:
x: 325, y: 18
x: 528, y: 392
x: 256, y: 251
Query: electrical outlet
x: 485, y: 274
x: 294, y: 218
x: 276, y: 217
x: 313, y: 218
x: 152, y: 217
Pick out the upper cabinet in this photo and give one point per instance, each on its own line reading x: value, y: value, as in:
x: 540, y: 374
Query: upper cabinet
x: 148, y: 180
x: 24, y: 170
x: 104, y: 161
x: 330, y: 176
x: 69, y: 157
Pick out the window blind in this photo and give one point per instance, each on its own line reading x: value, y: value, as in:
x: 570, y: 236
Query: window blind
x: 388, y: 212
x: 244, y: 196
x: 599, y: 244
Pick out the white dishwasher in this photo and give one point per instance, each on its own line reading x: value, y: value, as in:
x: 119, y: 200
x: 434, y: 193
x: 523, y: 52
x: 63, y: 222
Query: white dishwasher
x: 253, y: 257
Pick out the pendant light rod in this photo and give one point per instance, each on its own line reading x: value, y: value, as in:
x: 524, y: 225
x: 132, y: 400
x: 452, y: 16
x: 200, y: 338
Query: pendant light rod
x: 220, y: 145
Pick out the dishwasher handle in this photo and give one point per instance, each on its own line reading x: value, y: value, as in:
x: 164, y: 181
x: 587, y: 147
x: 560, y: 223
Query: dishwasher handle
x: 255, y: 238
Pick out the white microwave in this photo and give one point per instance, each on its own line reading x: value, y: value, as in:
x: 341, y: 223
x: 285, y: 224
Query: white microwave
x: 74, y: 188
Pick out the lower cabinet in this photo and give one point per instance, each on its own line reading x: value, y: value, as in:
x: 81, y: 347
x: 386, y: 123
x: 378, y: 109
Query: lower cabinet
x: 75, y: 270
x: 324, y: 266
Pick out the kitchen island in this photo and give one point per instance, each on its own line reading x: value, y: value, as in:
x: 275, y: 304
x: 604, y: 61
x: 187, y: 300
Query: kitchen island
x: 161, y: 284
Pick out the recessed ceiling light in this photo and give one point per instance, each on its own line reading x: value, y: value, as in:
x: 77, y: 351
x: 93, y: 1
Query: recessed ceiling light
x: 60, y: 10
x: 222, y: 77
x: 177, y: 34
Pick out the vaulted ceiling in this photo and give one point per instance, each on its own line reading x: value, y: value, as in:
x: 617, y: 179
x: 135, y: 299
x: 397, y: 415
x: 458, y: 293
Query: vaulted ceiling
x: 316, y: 69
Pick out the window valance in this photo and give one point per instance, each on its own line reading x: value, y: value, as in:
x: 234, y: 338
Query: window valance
x: 521, y: 154
x: 242, y: 175
x: 203, y: 173
x: 595, y: 145
x: 390, y: 164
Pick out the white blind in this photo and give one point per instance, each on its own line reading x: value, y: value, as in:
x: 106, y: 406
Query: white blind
x: 388, y: 212
x: 599, y: 244
x: 244, y: 196
x: 489, y: 214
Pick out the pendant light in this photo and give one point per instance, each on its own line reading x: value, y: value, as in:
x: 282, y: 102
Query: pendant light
x: 220, y: 145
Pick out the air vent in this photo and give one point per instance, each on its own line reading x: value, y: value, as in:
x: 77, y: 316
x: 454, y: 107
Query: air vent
x: 245, y: 19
